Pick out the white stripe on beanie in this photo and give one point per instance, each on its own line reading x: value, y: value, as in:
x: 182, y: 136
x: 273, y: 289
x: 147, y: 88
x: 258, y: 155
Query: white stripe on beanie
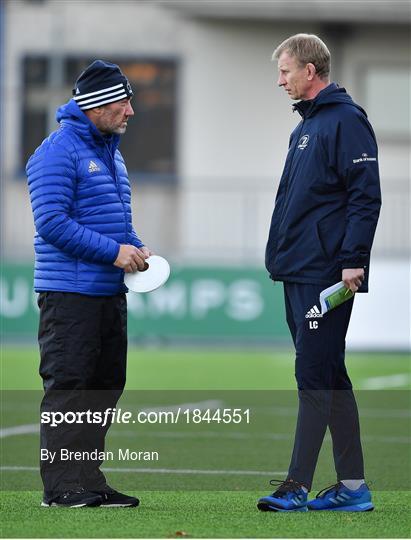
x: 104, y: 96
x: 110, y: 100
x: 82, y: 101
x: 120, y: 85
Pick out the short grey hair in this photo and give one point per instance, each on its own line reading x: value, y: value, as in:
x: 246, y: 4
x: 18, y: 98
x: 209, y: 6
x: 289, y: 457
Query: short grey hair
x: 307, y: 49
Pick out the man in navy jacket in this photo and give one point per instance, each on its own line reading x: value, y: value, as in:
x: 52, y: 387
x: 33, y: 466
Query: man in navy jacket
x: 84, y: 242
x: 322, y: 229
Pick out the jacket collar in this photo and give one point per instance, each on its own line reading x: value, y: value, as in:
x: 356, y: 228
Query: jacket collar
x: 306, y: 107
x: 70, y: 114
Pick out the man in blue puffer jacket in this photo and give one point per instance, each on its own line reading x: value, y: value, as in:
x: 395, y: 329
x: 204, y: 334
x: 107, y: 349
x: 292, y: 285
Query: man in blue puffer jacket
x: 84, y: 242
x: 322, y: 229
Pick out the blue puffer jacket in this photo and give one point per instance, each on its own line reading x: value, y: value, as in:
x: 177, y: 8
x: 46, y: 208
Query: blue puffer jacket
x: 80, y: 196
x: 328, y: 201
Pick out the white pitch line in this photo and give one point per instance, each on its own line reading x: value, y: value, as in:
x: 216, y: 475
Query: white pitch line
x: 33, y: 429
x: 164, y: 471
x: 394, y: 439
x: 26, y: 429
x: 364, y: 411
x: 202, y: 435
x: 399, y: 380
x: 29, y: 429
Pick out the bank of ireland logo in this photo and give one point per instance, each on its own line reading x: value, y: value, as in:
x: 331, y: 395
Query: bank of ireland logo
x: 303, y: 142
x: 364, y: 157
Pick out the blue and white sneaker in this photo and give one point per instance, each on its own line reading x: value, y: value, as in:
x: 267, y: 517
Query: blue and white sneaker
x: 340, y: 498
x: 289, y: 497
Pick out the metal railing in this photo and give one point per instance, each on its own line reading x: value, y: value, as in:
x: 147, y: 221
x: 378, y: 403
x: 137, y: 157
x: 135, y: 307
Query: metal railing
x: 207, y: 222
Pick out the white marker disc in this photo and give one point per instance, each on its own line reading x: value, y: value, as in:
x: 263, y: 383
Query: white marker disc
x: 157, y: 274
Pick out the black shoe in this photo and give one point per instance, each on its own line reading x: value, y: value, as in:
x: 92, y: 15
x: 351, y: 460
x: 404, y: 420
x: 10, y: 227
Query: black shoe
x: 112, y: 499
x: 75, y: 498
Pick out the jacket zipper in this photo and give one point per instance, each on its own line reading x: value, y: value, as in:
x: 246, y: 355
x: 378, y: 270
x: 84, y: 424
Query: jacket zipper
x: 304, y: 116
x: 286, y: 191
x: 288, y: 177
x: 117, y: 184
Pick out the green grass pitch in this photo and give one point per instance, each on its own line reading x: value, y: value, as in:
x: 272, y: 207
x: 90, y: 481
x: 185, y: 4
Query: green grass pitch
x: 214, y: 505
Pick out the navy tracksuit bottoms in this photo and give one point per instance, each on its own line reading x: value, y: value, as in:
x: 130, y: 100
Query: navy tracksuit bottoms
x: 325, y: 392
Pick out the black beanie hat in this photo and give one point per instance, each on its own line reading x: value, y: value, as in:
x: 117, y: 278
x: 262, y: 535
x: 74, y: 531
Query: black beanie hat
x: 101, y: 83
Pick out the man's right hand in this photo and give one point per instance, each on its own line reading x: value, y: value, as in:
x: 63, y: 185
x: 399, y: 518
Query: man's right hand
x: 130, y: 258
x: 353, y: 278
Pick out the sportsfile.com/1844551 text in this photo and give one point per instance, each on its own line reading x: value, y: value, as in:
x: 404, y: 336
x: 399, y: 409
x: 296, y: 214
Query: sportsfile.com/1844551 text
x: 175, y: 416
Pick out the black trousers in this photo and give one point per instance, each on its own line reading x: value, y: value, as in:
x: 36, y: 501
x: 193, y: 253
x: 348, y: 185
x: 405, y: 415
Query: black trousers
x: 325, y: 391
x: 83, y: 349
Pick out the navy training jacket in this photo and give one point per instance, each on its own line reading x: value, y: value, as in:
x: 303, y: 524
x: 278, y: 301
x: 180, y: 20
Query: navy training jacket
x: 81, y: 201
x: 329, y: 198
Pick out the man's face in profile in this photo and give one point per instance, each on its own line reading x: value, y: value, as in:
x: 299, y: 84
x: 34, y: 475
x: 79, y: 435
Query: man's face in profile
x: 114, y: 117
x: 292, y: 76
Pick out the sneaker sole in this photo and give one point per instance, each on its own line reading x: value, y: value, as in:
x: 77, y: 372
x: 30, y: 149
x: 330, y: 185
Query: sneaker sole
x: 79, y: 505
x: 364, y: 507
x: 131, y: 505
x: 265, y: 507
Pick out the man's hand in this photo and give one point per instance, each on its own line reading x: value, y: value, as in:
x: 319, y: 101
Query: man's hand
x: 353, y: 278
x: 147, y: 252
x: 131, y: 258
